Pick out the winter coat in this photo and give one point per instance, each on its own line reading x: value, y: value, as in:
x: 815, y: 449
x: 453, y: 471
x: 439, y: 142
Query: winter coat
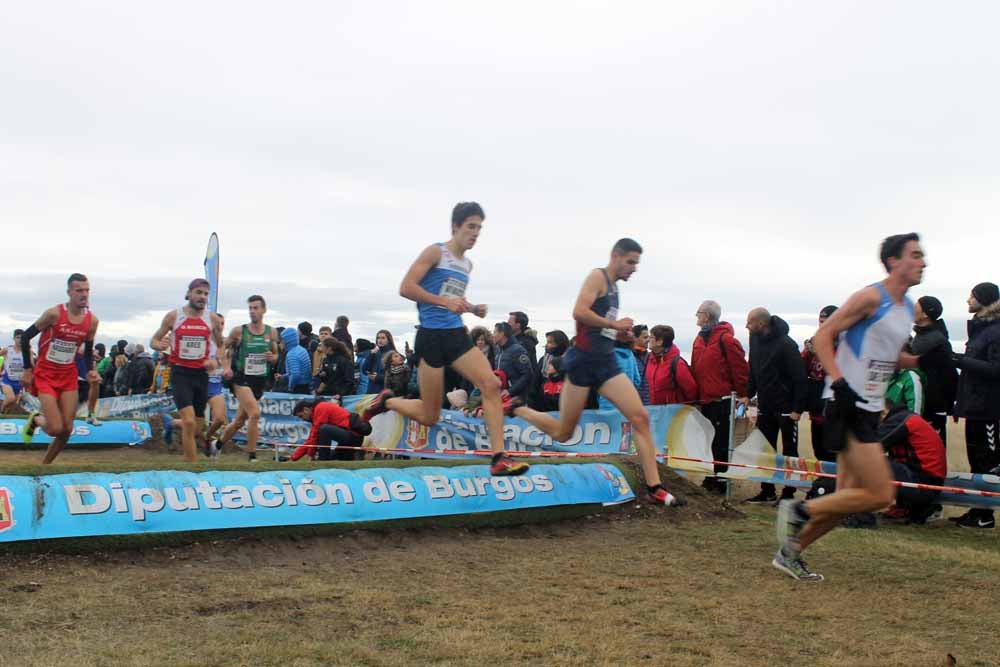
x: 139, y: 373
x: 626, y: 362
x: 336, y: 376
x: 516, y: 363
x: 910, y: 440
x: 670, y: 381
x: 361, y: 378
x: 979, y: 383
x: 718, y: 364
x: 374, y: 365
x: 777, y: 374
x: 931, y: 344
x: 298, y: 365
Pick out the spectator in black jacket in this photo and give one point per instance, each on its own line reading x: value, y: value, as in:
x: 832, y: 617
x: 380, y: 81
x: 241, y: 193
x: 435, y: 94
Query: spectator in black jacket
x: 556, y: 344
x: 979, y: 392
x: 778, y: 380
x: 815, y: 382
x: 640, y: 348
x: 341, y: 333
x: 930, y: 343
x: 528, y: 339
x: 514, y: 361
x: 139, y: 372
x: 336, y: 373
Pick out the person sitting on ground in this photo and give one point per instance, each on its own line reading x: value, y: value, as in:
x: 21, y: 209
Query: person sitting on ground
x: 668, y: 376
x: 298, y: 366
x: 332, y: 425
x: 336, y: 375
x: 917, y: 455
x: 397, y: 374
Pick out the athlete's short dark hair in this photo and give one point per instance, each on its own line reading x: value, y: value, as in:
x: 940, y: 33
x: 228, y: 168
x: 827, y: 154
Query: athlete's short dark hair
x: 625, y: 246
x: 463, y: 211
x: 75, y: 278
x: 302, y: 405
x: 664, y: 333
x: 893, y: 246
x: 18, y: 332
x: 828, y: 311
x: 257, y: 297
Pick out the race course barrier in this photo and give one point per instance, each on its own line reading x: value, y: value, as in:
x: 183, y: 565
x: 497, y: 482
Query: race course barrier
x: 91, y: 504
x: 120, y: 432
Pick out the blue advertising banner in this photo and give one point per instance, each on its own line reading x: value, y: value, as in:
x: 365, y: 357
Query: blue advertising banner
x: 88, y: 504
x: 126, y: 432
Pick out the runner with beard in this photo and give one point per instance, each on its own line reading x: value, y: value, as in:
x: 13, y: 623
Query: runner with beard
x: 190, y: 349
x: 437, y: 282
x: 54, y: 381
x: 591, y: 363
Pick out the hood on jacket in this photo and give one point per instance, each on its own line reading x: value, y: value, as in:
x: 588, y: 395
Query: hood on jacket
x: 990, y: 313
x: 290, y: 337
x: 719, y: 329
x: 777, y: 328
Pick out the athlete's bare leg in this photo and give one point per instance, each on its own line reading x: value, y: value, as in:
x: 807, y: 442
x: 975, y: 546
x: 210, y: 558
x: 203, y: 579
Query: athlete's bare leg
x: 475, y: 368
x: 864, y: 484
x: 93, y: 393
x: 58, y: 416
x: 622, y: 394
x: 188, y: 426
x: 572, y: 401
x: 249, y: 413
x: 427, y: 408
x: 9, y: 398
x: 217, y: 404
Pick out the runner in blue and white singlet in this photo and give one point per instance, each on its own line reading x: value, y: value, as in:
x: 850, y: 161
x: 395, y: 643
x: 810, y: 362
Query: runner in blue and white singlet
x: 449, y: 278
x: 872, y: 328
x: 437, y: 282
x: 13, y: 369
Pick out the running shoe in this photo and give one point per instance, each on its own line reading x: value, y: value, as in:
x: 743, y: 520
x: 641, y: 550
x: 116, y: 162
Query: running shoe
x: 762, y: 498
x: 252, y: 457
x: 794, y: 567
x: 937, y: 513
x: 658, y: 495
x: 377, y: 406
x: 961, y: 518
x: 29, y: 427
x: 93, y: 420
x: 896, y: 514
x: 506, y: 466
x: 980, y: 521
x: 209, y: 448
x: 791, y: 519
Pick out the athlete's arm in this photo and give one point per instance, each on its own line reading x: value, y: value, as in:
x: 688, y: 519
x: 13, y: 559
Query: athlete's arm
x: 858, y: 306
x: 589, y: 293
x: 48, y: 318
x: 410, y: 287
x: 227, y: 360
x: 157, y: 342
x: 88, y: 351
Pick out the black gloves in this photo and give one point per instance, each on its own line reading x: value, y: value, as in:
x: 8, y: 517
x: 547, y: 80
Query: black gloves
x: 845, y: 398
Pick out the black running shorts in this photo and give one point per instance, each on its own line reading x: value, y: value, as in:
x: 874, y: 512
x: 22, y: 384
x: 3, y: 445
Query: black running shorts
x: 256, y: 383
x: 863, y: 425
x: 190, y: 388
x: 441, y: 347
x: 589, y: 370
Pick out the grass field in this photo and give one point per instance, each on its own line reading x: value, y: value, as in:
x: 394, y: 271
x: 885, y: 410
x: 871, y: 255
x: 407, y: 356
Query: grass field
x: 633, y: 585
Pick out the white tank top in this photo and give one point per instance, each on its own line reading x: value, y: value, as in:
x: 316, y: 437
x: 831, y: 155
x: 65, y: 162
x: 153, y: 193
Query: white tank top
x: 14, y: 365
x: 869, y: 350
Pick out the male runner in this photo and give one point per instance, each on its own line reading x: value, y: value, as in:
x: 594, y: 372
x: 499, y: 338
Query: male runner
x: 191, y: 359
x: 873, y: 326
x: 63, y: 328
x: 216, y: 401
x: 437, y: 281
x: 250, y: 351
x: 13, y: 369
x: 591, y: 363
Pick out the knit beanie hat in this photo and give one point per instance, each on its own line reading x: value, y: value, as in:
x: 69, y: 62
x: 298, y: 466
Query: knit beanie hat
x: 931, y: 306
x: 986, y: 293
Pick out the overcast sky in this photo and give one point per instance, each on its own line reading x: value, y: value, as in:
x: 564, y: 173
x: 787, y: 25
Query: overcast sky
x: 758, y: 151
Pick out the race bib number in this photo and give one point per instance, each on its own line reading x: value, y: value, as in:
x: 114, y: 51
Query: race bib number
x: 256, y: 364
x: 609, y: 332
x: 877, y: 379
x: 61, y: 352
x: 15, y: 367
x: 192, y: 347
x: 452, y: 287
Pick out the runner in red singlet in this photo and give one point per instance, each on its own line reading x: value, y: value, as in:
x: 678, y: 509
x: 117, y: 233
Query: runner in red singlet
x: 196, y: 336
x: 54, y: 381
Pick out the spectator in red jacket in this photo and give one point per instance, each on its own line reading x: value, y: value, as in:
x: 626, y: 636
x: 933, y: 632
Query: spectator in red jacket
x: 917, y: 455
x: 720, y: 368
x: 667, y: 375
x: 332, y: 425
